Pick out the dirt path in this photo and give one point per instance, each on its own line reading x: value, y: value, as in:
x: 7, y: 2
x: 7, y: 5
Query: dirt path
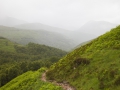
x: 65, y: 86
x: 43, y: 77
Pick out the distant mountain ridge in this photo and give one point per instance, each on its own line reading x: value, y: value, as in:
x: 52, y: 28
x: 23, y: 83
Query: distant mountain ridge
x: 23, y: 36
x: 86, y: 32
x: 75, y: 36
x: 40, y: 26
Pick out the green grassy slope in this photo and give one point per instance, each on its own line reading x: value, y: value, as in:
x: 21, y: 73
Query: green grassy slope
x: 30, y: 81
x: 94, y: 66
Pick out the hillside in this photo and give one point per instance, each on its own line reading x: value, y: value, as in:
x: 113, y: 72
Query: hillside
x: 30, y: 81
x: 48, y: 38
x: 16, y: 59
x: 94, y: 66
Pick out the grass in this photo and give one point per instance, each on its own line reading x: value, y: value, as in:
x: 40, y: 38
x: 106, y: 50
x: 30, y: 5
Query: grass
x: 30, y: 81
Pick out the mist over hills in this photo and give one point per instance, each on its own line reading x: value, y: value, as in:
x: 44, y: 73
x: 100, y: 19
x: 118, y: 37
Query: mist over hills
x: 9, y: 21
x: 75, y: 36
x: 88, y: 31
x: 97, y: 27
x: 91, y: 30
x: 24, y: 33
x: 80, y: 37
x: 39, y: 36
x: 40, y: 26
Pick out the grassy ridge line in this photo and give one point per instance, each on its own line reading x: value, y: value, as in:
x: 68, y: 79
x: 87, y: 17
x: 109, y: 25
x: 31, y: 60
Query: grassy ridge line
x: 30, y: 81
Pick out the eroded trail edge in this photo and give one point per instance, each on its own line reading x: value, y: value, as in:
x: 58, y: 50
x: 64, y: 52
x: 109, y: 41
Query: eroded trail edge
x: 65, y: 86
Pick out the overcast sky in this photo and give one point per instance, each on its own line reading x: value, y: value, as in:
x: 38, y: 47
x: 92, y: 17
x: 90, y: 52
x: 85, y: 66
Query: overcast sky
x: 68, y: 14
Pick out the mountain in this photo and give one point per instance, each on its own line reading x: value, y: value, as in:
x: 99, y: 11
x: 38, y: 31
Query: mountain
x: 9, y: 21
x: 93, y: 66
x: 23, y: 36
x: 97, y: 27
x: 86, y: 32
x: 90, y: 31
x: 75, y: 36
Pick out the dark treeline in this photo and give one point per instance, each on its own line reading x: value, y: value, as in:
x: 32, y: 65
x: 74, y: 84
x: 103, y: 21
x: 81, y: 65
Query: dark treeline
x: 26, y: 58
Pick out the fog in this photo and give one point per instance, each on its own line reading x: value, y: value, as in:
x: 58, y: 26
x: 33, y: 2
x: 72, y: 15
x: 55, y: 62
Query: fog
x: 67, y: 14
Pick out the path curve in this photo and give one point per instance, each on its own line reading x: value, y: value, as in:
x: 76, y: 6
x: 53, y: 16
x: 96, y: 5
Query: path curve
x: 65, y: 86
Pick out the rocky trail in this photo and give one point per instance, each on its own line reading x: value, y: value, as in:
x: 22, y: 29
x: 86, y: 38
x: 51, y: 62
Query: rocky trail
x: 65, y: 86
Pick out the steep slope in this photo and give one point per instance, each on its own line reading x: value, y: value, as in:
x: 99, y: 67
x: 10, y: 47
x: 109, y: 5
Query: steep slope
x: 30, y: 81
x: 37, y: 36
x: 94, y: 66
x: 9, y: 21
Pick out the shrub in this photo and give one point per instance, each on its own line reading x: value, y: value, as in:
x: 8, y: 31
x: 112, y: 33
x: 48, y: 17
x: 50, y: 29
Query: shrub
x: 80, y: 61
x: 117, y: 81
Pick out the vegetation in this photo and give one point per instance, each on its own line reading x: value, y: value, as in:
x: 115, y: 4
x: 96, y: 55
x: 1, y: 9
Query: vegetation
x: 30, y: 81
x: 6, y: 45
x: 94, y: 66
x: 16, y: 59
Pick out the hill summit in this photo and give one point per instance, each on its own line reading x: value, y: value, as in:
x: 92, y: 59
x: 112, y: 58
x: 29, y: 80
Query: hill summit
x: 94, y: 66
